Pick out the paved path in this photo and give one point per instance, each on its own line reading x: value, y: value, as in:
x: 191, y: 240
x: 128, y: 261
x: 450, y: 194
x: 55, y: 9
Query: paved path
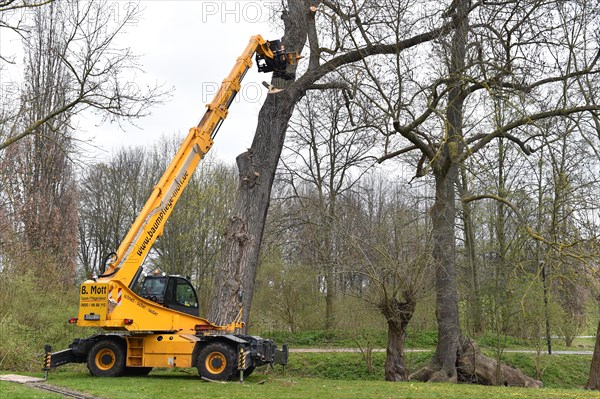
x: 553, y: 352
x: 351, y: 350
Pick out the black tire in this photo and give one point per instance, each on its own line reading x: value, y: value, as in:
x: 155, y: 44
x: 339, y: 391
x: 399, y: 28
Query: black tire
x: 137, y: 371
x: 217, y: 361
x: 106, y: 359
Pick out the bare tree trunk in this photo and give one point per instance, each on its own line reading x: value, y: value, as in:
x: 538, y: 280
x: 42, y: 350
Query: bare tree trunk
x: 257, y: 168
x: 594, y: 381
x: 244, y: 232
x: 329, y: 299
x: 456, y: 358
x: 443, y: 213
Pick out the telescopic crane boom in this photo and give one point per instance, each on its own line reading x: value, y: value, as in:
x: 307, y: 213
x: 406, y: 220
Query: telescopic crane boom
x: 149, y: 225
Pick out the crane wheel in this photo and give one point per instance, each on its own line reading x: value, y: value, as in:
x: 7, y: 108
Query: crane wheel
x: 106, y: 359
x: 217, y: 361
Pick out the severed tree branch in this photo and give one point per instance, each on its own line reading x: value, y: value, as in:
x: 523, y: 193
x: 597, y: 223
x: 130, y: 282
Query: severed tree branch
x: 313, y: 38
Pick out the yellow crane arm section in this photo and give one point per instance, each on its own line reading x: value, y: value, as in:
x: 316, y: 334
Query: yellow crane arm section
x: 150, y: 223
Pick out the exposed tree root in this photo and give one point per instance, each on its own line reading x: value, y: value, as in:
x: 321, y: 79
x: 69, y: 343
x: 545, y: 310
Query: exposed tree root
x: 473, y: 367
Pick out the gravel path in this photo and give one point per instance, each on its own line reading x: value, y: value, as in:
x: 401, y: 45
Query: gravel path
x: 346, y: 350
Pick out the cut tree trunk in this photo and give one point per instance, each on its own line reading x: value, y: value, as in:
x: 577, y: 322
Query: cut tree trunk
x: 235, y: 279
x: 245, y: 229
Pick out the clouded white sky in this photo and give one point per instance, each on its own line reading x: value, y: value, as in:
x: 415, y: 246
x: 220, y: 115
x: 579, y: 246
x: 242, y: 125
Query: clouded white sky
x: 191, y: 46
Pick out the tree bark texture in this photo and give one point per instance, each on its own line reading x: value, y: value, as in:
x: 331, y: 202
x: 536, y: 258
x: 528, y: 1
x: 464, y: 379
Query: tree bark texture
x: 329, y: 299
x: 443, y: 213
x: 477, y: 368
x: 594, y: 381
x: 257, y: 166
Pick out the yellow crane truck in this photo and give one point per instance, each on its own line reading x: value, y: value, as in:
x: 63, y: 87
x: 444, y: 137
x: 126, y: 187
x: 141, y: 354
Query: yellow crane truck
x: 152, y: 319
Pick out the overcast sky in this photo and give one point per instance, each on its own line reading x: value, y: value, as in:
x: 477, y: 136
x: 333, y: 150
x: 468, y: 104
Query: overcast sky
x: 190, y: 46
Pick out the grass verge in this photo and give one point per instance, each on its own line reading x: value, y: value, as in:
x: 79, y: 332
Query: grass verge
x: 557, y: 371
x: 175, y: 385
x: 20, y: 391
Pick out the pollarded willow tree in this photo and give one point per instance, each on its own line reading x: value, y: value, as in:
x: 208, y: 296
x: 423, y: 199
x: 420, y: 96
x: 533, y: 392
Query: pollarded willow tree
x: 388, y: 239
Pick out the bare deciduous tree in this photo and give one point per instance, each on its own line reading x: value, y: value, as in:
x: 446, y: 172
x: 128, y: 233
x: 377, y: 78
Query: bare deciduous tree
x: 39, y: 176
x: 98, y: 76
x: 490, y: 55
x: 111, y: 194
x: 328, y: 152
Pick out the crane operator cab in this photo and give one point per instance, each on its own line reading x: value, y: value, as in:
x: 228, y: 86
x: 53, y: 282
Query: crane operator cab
x: 173, y: 292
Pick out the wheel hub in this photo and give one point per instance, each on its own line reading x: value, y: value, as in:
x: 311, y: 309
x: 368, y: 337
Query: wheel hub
x: 216, y: 362
x: 106, y: 359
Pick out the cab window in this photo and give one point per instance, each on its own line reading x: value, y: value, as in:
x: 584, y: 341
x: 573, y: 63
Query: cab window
x: 185, y: 294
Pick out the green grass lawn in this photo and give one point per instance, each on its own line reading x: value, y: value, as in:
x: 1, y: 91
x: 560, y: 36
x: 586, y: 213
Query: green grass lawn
x: 14, y: 390
x: 178, y: 384
x: 335, y: 375
x: 558, y: 371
